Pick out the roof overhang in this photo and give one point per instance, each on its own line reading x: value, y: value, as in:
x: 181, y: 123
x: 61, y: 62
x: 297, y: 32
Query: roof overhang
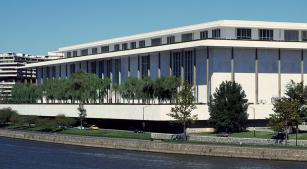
x: 192, y: 44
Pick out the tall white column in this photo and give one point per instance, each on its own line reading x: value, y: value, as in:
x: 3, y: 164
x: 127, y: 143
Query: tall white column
x: 208, y: 75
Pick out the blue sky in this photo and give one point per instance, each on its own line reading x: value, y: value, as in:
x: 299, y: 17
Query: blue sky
x: 39, y: 26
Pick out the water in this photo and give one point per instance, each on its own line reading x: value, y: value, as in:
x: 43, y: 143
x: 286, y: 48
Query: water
x: 22, y: 154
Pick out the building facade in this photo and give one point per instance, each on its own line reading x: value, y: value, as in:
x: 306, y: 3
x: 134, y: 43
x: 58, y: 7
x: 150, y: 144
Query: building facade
x: 262, y: 56
x: 10, y: 74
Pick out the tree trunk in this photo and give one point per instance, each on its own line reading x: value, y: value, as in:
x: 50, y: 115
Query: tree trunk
x: 184, y: 131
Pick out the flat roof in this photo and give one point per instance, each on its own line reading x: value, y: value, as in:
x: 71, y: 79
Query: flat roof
x: 220, y: 23
x: 191, y: 44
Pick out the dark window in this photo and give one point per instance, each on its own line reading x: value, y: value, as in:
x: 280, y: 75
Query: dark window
x: 53, y: 71
x: 100, y: 70
x: 74, y: 53
x: 145, y: 66
x: 170, y: 39
x: 142, y: 44
x: 188, y: 66
x: 265, y: 34
x: 216, y: 33
x: 93, y: 67
x: 177, y: 64
x: 187, y: 37
x: 156, y: 42
x: 291, y: 35
x: 47, y: 72
x: 105, y: 49
x: 204, y: 35
x: 304, y: 35
x: 117, y: 70
x: 68, y: 54
x: 124, y: 46
x: 84, y: 52
x: 72, y: 69
x: 116, y: 47
x: 108, y: 68
x: 243, y: 33
x: 132, y: 45
x: 94, y: 51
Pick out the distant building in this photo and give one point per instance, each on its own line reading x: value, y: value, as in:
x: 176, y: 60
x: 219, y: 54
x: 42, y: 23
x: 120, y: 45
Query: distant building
x: 10, y: 75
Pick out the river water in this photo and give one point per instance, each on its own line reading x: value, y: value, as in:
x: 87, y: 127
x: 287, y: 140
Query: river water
x: 22, y: 154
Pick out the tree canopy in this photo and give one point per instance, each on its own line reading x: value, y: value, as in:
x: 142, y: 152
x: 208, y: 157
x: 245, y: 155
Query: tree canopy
x: 228, y: 108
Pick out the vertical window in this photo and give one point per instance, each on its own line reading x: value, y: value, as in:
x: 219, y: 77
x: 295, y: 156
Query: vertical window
x: 68, y: 54
x: 133, y: 45
x: 265, y: 34
x: 75, y: 53
x: 93, y: 67
x: 124, y: 46
x: 100, y: 64
x: 176, y: 64
x: 204, y: 35
x: 47, y: 72
x: 304, y: 35
x: 117, y: 70
x: 116, y: 47
x: 94, y: 51
x: 216, y: 33
x: 156, y: 42
x: 187, y: 37
x: 291, y: 35
x: 53, y: 71
x: 84, y: 52
x: 170, y: 39
x: 72, y: 68
x: 105, y: 49
x: 108, y: 68
x: 142, y: 44
x: 145, y: 65
x: 243, y: 33
x: 188, y: 66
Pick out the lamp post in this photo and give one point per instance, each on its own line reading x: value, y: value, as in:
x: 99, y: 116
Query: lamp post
x: 254, y: 121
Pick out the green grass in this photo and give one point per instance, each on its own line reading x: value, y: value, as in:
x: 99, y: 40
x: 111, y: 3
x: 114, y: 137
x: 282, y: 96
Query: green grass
x: 108, y: 133
x: 237, y: 145
x: 259, y: 134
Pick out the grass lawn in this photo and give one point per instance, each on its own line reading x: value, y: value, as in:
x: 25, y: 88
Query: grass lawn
x: 108, y: 133
x: 259, y: 134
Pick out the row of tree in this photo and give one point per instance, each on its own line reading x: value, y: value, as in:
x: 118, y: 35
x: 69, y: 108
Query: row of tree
x: 89, y: 88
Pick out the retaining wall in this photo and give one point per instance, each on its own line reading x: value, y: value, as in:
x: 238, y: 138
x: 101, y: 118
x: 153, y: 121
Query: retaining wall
x: 162, y: 147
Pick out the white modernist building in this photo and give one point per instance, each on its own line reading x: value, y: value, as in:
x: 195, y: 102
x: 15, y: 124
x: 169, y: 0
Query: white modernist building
x: 262, y: 56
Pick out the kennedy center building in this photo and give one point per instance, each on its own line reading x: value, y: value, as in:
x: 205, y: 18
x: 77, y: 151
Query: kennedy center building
x: 261, y: 56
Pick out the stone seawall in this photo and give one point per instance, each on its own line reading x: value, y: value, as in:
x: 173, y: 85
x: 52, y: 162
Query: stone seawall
x: 162, y: 147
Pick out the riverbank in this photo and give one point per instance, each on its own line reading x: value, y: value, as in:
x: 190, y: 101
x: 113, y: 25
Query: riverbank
x: 162, y: 147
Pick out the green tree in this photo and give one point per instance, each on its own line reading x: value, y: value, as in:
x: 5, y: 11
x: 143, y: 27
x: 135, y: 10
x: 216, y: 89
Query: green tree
x: 82, y: 114
x: 25, y: 93
x: 228, y: 108
x: 147, y: 90
x: 130, y: 90
x: 165, y: 88
x: 184, y: 106
x: 289, y: 111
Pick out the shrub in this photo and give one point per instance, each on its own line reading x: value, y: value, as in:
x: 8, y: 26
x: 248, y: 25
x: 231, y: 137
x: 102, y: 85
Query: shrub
x: 62, y: 121
x: 6, y: 115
